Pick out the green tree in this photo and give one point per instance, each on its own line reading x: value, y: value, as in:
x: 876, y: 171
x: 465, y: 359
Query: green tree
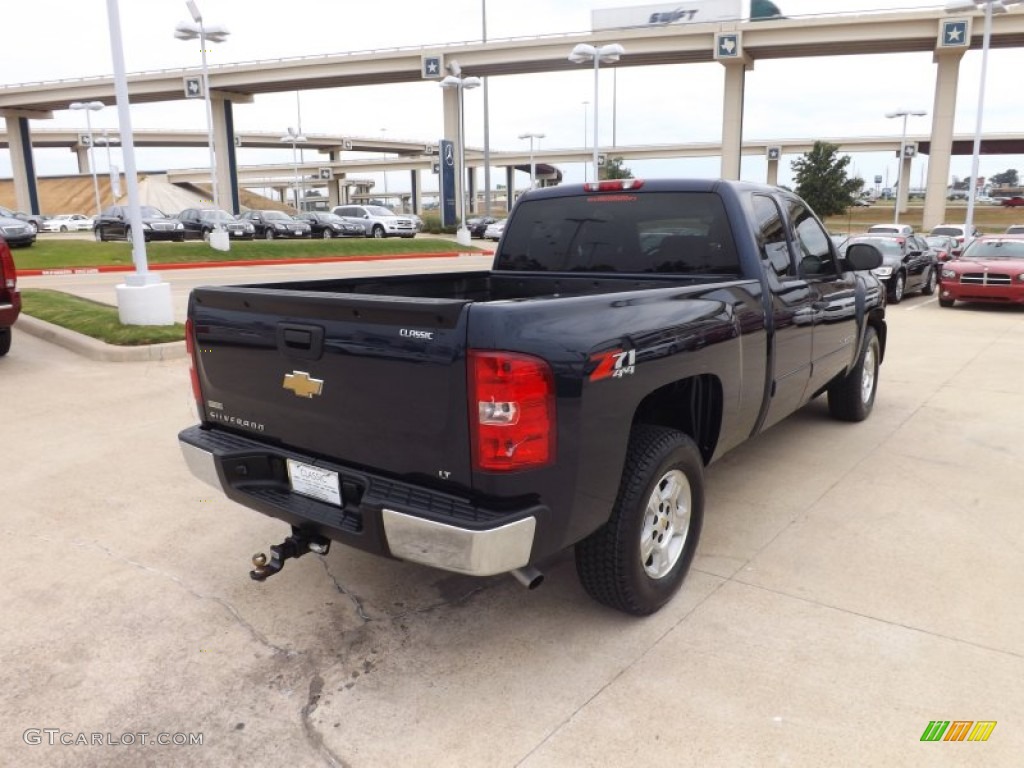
x: 1008, y: 178
x: 614, y: 169
x: 821, y: 180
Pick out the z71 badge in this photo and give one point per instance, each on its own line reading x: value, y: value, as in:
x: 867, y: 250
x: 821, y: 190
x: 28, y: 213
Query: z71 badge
x: 614, y: 364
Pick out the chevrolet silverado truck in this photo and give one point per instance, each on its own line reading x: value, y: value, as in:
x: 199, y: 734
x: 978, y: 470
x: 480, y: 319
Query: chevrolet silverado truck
x: 10, y: 298
x: 628, y: 334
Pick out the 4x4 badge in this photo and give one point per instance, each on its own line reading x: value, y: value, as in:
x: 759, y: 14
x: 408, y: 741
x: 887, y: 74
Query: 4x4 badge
x: 302, y: 384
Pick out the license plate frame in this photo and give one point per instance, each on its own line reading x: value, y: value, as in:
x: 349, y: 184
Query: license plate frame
x: 314, y: 482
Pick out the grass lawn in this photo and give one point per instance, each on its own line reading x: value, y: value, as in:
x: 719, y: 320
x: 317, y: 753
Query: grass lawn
x: 53, y: 253
x: 94, y: 319
x: 991, y: 219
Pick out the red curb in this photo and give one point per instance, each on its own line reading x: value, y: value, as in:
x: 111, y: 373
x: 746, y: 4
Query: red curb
x: 246, y: 263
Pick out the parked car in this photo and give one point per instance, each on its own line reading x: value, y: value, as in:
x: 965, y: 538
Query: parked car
x: 417, y: 221
x: 114, y: 224
x: 34, y: 220
x: 991, y: 269
x: 477, y: 226
x: 908, y: 264
x: 943, y: 245
x: 69, y: 222
x: 378, y: 221
x: 10, y: 298
x: 1013, y: 202
x: 328, y: 225
x: 495, y: 230
x: 891, y: 229
x: 273, y: 224
x: 17, y: 232
x: 1015, y: 229
x: 200, y: 222
x: 958, y: 232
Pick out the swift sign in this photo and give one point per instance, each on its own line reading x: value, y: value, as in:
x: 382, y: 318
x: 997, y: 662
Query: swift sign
x: 695, y: 12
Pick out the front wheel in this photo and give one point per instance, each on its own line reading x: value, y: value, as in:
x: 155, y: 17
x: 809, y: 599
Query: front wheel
x: 896, y: 290
x: 97, y: 235
x: 947, y: 303
x: 637, y: 560
x: 929, y: 285
x: 5, y: 341
x: 62, y: 228
x: 327, y: 234
x: 268, y: 235
x: 378, y: 232
x: 852, y: 397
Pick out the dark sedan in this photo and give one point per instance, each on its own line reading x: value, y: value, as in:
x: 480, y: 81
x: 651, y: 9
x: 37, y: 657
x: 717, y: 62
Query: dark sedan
x: 17, y: 232
x: 115, y: 224
x: 479, y: 225
x: 328, y: 225
x: 908, y: 264
x: 200, y: 222
x: 274, y: 224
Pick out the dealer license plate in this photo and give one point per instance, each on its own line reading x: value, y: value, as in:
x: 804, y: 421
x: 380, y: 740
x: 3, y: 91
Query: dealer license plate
x: 314, y: 482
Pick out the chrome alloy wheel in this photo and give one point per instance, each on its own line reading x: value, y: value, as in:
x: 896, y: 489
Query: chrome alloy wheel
x: 666, y: 524
x: 869, y: 370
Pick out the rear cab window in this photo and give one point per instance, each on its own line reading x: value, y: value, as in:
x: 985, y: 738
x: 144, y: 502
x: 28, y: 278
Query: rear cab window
x: 653, y: 232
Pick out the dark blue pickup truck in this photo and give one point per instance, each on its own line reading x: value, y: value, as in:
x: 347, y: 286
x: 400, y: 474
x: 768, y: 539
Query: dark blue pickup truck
x: 628, y: 334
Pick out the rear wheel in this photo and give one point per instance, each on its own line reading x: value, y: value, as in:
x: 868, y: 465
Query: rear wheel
x: 5, y: 341
x: 128, y: 234
x: 268, y: 235
x: 637, y: 560
x: 929, y: 285
x: 852, y: 397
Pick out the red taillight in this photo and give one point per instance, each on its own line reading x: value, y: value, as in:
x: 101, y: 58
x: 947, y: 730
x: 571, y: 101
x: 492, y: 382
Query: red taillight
x: 613, y: 185
x: 193, y: 369
x: 7, y: 270
x: 511, y: 411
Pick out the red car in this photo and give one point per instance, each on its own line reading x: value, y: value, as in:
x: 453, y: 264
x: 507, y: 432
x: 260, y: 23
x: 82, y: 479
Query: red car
x: 10, y: 299
x: 1013, y: 202
x: 991, y: 269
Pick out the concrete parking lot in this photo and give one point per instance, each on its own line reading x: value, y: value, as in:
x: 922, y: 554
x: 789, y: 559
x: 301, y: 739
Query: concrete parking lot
x: 853, y: 583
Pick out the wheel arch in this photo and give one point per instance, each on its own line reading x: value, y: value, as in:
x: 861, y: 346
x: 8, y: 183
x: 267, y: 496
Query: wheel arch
x: 692, y: 405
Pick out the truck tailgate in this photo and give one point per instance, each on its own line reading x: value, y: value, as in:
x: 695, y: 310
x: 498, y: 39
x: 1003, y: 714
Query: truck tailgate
x: 371, y: 381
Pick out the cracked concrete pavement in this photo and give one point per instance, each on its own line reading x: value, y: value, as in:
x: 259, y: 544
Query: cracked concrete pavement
x: 853, y: 583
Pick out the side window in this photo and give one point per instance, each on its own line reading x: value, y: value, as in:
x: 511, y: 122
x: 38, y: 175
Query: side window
x: 813, y: 245
x: 772, y: 237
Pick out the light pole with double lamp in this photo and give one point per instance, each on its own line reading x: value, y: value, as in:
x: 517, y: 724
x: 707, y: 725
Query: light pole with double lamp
x: 461, y: 84
x: 294, y: 137
x: 990, y: 7
x: 533, y: 166
x: 903, y: 190
x: 194, y: 30
x: 87, y: 107
x: 604, y: 54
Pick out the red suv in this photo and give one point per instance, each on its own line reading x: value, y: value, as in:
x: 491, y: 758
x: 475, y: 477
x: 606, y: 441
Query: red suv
x: 1013, y: 202
x: 10, y: 299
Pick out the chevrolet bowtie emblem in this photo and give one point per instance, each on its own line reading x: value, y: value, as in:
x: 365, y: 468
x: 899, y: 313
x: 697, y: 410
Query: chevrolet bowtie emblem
x: 302, y: 384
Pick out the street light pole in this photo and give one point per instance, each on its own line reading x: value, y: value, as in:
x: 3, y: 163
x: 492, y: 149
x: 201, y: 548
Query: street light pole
x: 294, y: 137
x: 186, y: 31
x: 533, y: 167
x: 461, y: 83
x: 586, y: 104
x: 608, y: 54
x: 87, y: 107
x: 991, y: 7
x: 904, y: 183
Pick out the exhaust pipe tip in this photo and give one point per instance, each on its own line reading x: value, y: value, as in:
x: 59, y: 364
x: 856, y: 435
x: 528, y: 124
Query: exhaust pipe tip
x: 528, y: 576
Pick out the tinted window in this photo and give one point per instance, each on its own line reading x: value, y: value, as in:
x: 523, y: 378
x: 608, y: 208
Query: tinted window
x: 772, y: 236
x: 812, y: 242
x: 995, y: 249
x: 669, y: 232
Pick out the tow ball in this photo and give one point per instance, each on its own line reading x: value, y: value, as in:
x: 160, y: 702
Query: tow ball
x: 296, y: 545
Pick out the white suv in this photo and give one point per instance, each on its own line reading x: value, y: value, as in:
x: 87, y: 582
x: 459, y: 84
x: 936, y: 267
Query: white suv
x: 377, y: 220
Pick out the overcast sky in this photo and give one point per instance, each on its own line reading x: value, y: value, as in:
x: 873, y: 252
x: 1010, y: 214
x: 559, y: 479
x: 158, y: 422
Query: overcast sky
x: 802, y: 98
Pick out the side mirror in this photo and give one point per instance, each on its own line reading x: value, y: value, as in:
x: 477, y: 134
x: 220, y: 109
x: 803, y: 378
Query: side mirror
x: 861, y: 256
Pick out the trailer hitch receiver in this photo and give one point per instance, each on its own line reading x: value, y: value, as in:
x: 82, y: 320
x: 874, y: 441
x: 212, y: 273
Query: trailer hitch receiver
x: 296, y: 545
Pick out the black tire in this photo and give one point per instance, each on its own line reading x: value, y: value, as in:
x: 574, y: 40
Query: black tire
x: 327, y: 234
x: 268, y: 235
x: 897, y: 288
x: 853, y: 397
x: 929, y: 284
x: 97, y: 235
x: 378, y: 232
x: 947, y: 303
x: 128, y: 235
x: 5, y: 341
x: 611, y: 561
x: 62, y: 228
